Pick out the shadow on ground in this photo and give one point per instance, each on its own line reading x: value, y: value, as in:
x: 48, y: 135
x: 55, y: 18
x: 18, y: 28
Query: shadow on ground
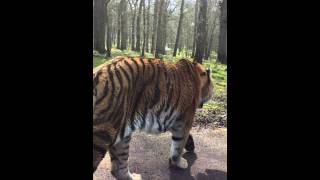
x: 209, y: 174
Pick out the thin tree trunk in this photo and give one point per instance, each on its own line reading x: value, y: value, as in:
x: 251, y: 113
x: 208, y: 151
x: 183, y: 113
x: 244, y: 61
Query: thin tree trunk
x: 99, y: 26
x: 144, y: 29
x: 119, y: 26
x: 158, y: 47
x: 179, y: 30
x: 213, y: 27
x: 222, y: 49
x: 148, y: 26
x: 201, y: 31
x: 124, y: 33
x: 138, y: 26
x: 134, y: 10
x: 154, y: 27
x: 195, y: 28
x: 109, y: 30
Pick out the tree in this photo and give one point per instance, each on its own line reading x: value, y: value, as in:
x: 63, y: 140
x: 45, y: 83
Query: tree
x: 99, y: 12
x: 158, y: 48
x: 148, y: 26
x: 144, y: 29
x: 222, y: 49
x: 119, y: 25
x: 123, y: 17
x: 179, y: 30
x: 213, y: 27
x: 133, y: 7
x: 138, y: 26
x: 154, y: 27
x: 195, y: 28
x: 109, y: 30
x: 201, y: 31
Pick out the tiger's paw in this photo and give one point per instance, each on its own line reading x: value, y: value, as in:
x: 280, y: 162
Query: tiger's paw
x: 182, y: 164
x: 135, y: 176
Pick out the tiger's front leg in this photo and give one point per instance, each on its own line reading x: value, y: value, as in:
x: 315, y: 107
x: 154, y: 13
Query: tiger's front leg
x: 119, y: 155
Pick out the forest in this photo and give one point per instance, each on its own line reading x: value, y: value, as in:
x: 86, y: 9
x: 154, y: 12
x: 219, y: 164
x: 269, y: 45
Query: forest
x: 188, y: 28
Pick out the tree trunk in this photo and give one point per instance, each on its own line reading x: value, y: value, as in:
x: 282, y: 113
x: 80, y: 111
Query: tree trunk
x: 144, y: 29
x: 222, y: 49
x: 148, y: 27
x: 154, y: 27
x: 133, y: 9
x: 179, y: 29
x: 119, y: 26
x: 158, y: 48
x: 138, y: 26
x: 195, y: 28
x: 124, y: 32
x: 201, y: 31
x: 99, y: 10
x: 108, y: 29
x: 213, y: 27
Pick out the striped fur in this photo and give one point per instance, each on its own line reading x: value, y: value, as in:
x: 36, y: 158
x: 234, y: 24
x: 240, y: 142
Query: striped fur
x: 145, y: 94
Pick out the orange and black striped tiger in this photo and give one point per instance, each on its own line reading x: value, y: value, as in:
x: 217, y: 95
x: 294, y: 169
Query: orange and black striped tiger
x: 145, y: 94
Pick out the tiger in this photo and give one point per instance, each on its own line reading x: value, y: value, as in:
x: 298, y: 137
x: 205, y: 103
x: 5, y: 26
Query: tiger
x: 150, y: 95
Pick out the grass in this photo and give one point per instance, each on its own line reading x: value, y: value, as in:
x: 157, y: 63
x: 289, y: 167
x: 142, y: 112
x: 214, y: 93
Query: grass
x: 218, y: 71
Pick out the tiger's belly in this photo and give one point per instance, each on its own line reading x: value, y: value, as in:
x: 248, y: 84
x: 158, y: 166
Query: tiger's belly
x: 149, y: 123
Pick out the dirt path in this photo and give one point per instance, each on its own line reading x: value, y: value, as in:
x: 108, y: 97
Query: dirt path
x: 149, y: 156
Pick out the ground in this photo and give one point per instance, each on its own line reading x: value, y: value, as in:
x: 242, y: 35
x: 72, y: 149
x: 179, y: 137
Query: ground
x: 149, y: 156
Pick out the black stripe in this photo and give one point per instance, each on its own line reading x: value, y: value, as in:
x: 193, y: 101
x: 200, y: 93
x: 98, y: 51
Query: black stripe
x: 144, y: 114
x: 113, y: 158
x: 133, y: 128
x: 105, y: 92
x: 177, y: 138
x: 143, y: 66
x: 96, y: 79
x: 126, y: 75
x: 177, y: 101
x: 103, y: 135
x: 153, y: 71
x: 112, y: 88
x: 123, y: 129
x: 130, y: 68
x: 156, y: 97
x: 137, y: 66
x: 122, y: 154
x: 99, y: 149
x: 118, y: 106
x: 159, y: 125
x: 121, y: 168
x: 127, y: 139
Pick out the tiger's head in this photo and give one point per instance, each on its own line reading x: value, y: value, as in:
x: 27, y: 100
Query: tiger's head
x: 206, y: 85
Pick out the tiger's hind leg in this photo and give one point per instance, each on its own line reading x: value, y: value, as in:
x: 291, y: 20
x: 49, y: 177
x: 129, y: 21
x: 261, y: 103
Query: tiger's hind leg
x: 119, y: 155
x: 190, y: 144
x: 179, y: 138
x: 99, y: 152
